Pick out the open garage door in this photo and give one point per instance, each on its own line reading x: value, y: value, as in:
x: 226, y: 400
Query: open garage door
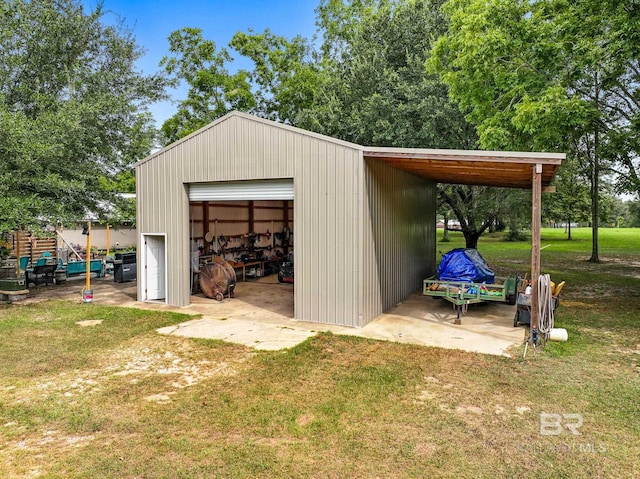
x: 279, y: 189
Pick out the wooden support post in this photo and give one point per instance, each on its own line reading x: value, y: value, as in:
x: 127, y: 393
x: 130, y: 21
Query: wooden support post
x: 251, y: 218
x: 205, y: 226
x: 285, y: 212
x: 108, y: 240
x: 18, y: 253
x: 536, y: 218
x: 285, y: 220
x: 88, y: 258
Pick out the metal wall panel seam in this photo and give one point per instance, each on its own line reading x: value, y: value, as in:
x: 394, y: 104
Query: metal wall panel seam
x: 362, y: 245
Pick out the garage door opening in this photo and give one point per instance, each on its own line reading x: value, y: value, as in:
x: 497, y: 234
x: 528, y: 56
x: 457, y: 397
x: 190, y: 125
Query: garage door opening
x: 250, y: 225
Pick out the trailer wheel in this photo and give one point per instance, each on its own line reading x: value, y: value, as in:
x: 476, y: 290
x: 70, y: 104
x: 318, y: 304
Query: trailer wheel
x: 511, y: 299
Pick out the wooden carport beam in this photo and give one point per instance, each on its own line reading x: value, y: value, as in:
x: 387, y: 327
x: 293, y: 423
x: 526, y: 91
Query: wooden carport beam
x: 536, y: 219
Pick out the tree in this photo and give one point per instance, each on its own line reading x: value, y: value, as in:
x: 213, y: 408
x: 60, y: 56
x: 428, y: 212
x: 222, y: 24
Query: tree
x: 634, y: 213
x: 375, y: 90
x: 571, y: 202
x: 618, y: 212
x: 549, y: 75
x: 286, y: 73
x: 516, y: 210
x: 476, y: 208
x: 444, y: 210
x: 213, y: 91
x: 73, y: 111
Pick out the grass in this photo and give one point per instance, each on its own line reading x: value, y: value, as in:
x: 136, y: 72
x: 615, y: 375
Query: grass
x: 117, y: 400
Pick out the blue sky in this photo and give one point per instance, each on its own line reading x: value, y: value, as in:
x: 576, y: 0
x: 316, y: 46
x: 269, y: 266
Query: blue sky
x: 153, y: 21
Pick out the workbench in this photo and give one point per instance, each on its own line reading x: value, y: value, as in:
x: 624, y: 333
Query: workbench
x: 243, y: 266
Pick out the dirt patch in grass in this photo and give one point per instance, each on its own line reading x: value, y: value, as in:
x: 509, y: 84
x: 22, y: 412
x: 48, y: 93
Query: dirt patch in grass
x: 151, y: 369
x: 118, y: 400
x: 158, y: 406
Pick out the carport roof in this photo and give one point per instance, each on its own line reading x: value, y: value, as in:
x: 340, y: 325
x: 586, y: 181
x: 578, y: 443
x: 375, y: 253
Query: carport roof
x: 509, y: 169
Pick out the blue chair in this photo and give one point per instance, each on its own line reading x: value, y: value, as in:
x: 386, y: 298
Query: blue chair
x: 46, y: 258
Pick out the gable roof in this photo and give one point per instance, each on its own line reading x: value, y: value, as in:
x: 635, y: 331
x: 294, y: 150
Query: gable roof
x: 510, y: 169
x: 257, y: 119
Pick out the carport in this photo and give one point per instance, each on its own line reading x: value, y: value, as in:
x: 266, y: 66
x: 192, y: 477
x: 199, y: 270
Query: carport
x: 525, y: 170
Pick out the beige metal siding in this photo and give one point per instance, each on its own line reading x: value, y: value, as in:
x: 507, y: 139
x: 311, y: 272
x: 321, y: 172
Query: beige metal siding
x: 163, y: 209
x: 325, y: 205
x: 325, y: 241
x: 233, y: 150
x: 398, y: 244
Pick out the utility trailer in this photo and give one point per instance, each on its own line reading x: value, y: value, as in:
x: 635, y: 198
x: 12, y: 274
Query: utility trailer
x: 463, y: 293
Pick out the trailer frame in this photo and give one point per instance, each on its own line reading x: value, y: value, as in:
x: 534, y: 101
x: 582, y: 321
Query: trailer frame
x: 463, y: 293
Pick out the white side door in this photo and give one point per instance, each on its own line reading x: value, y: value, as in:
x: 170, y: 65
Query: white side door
x: 155, y: 273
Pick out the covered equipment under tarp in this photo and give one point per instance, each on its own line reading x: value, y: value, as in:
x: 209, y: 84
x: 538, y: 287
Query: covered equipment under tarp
x: 464, y: 264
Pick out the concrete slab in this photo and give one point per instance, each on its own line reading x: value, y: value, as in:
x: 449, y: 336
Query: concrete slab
x: 486, y: 328
x: 261, y: 317
x: 258, y: 335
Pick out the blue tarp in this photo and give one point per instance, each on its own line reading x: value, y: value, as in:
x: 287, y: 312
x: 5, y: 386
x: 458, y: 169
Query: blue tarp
x: 464, y: 264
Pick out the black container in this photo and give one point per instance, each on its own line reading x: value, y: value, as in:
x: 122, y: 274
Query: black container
x: 124, y: 267
x: 126, y: 258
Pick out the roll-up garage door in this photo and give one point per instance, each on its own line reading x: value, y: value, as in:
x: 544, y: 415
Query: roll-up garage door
x: 280, y: 189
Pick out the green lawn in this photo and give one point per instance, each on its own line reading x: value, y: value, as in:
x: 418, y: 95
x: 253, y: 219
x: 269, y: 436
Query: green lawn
x: 117, y: 400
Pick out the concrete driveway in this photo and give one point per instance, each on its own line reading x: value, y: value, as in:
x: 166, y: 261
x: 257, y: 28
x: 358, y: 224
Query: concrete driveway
x: 261, y: 316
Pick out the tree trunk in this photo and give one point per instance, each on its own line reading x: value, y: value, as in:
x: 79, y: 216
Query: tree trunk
x: 569, y: 228
x: 445, y: 234
x: 595, y: 203
x: 514, y: 233
x: 595, y: 188
x: 471, y: 238
x: 594, y: 212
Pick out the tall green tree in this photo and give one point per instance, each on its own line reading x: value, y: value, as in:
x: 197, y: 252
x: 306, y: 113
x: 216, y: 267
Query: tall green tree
x: 282, y: 83
x: 553, y: 75
x: 634, y: 213
x: 375, y: 90
x: 571, y: 202
x: 73, y: 111
x: 212, y: 90
x: 285, y: 76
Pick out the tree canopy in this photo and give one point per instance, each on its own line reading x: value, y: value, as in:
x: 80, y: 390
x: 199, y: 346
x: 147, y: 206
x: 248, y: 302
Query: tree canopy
x: 212, y: 92
x: 375, y: 90
x: 73, y: 111
x: 554, y: 75
x: 286, y: 73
